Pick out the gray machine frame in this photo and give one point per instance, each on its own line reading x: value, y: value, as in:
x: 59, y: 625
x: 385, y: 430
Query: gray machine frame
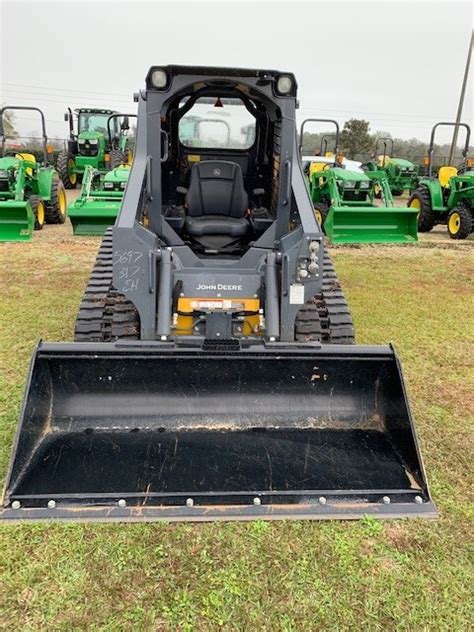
x: 160, y: 257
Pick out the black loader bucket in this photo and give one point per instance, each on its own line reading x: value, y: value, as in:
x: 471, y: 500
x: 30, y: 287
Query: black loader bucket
x: 139, y: 432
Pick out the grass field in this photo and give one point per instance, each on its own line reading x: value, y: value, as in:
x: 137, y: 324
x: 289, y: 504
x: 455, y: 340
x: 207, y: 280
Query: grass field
x: 404, y: 575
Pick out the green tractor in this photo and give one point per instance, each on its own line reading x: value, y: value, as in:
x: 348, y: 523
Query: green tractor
x: 448, y: 197
x: 90, y: 146
x: 31, y: 193
x: 343, y: 196
x: 402, y: 174
x: 101, y: 196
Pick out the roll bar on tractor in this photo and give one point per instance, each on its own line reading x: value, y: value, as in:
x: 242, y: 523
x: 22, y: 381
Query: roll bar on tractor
x: 432, y: 139
x: 320, y: 120
x: 386, y: 142
x: 68, y: 117
x: 124, y: 126
x: 4, y: 136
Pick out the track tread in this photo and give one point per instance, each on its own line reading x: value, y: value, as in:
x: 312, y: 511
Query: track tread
x: 105, y: 314
x: 326, y: 317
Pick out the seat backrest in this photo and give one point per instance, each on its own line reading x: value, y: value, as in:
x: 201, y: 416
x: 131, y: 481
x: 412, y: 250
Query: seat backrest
x: 445, y: 174
x: 216, y: 188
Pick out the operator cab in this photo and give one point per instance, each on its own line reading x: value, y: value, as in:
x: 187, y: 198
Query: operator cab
x: 218, y: 180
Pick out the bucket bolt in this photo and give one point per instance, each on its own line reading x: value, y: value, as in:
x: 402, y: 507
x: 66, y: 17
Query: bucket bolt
x: 322, y: 500
x: 51, y: 504
x: 257, y: 501
x: 189, y: 502
x: 418, y: 500
x: 122, y: 502
x: 386, y: 500
x: 16, y: 504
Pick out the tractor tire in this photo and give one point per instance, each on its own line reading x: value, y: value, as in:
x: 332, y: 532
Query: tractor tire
x: 321, y: 210
x: 105, y: 314
x: 56, y: 208
x: 460, y: 222
x: 421, y: 199
x: 117, y: 158
x: 63, y: 167
x: 326, y: 317
x: 38, y: 208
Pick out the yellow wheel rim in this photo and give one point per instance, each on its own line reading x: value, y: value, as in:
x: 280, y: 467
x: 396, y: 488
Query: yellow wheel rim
x: 71, y: 173
x: 454, y: 223
x: 62, y: 202
x: 318, y: 216
x: 40, y: 213
x: 415, y: 203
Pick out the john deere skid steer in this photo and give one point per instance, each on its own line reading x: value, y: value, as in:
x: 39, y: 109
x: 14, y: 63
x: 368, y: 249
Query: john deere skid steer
x: 89, y: 146
x: 101, y: 195
x: 448, y: 197
x: 343, y: 196
x: 31, y: 193
x: 213, y: 373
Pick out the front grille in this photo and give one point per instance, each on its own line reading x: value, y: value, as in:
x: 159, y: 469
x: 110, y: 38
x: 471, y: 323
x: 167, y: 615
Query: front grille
x: 86, y: 149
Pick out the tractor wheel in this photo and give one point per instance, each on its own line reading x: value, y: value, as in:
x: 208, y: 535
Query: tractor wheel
x: 37, y: 206
x: 56, y: 208
x: 321, y: 211
x: 460, y: 222
x: 117, y: 158
x: 421, y: 199
x: 66, y: 169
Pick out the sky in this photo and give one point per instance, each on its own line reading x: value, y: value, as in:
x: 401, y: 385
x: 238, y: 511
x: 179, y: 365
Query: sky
x: 397, y: 64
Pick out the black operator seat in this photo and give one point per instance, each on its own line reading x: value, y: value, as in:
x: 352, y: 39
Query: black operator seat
x: 216, y: 199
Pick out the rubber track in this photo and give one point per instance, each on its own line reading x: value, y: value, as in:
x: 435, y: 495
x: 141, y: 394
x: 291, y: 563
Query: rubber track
x: 105, y: 314
x: 326, y: 317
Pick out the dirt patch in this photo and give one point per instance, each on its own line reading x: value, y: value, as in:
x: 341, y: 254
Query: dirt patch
x: 400, y: 538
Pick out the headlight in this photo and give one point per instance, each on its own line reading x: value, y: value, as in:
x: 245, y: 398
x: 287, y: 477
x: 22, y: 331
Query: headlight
x: 349, y: 185
x: 284, y: 84
x: 123, y: 185
x: 81, y: 141
x: 3, y: 174
x: 93, y: 141
x: 159, y: 79
x: 364, y: 185
x: 108, y: 185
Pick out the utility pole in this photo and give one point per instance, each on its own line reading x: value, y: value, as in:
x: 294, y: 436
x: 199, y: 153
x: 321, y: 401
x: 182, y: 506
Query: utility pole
x: 461, y: 102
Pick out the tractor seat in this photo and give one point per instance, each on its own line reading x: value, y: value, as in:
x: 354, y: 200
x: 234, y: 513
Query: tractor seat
x: 216, y: 200
x: 27, y: 157
x: 445, y: 174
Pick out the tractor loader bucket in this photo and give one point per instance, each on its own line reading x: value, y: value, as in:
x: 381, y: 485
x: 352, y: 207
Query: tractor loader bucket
x: 138, y: 431
x: 17, y: 221
x: 371, y: 224
x: 93, y: 215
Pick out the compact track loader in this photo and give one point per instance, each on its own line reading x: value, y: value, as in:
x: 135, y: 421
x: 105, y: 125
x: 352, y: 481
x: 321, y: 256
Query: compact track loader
x: 213, y: 373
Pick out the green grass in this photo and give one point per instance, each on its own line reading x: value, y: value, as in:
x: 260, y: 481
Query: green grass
x: 404, y: 575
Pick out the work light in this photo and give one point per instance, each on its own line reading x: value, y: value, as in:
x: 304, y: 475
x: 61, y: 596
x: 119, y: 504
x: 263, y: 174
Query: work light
x: 159, y: 79
x: 284, y: 84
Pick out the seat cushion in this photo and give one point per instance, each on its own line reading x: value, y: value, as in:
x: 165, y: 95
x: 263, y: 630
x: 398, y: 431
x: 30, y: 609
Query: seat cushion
x: 216, y: 187
x: 216, y: 225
